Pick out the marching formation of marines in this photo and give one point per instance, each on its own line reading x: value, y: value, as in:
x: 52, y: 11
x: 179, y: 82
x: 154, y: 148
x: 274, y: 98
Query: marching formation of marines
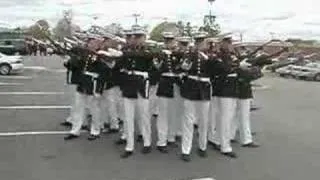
x: 202, y: 91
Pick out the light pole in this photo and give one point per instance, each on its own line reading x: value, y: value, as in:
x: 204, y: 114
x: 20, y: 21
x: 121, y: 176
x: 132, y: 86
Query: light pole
x: 272, y: 35
x: 211, y: 5
x: 136, y: 16
x: 209, y: 21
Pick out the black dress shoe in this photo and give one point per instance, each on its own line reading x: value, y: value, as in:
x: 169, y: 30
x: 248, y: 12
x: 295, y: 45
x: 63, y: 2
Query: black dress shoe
x: 251, y: 145
x: 162, y: 149
x: 230, y: 154
x: 121, y: 141
x: 202, y: 153
x: 126, y: 154
x: 93, y: 137
x: 70, y: 137
x: 85, y: 128
x: 214, y: 146
x: 146, y: 150
x: 185, y: 157
x: 113, y: 131
x: 67, y: 124
x: 233, y: 141
x: 140, y: 138
x: 106, y: 126
x: 254, y: 108
x: 178, y: 138
x: 172, y: 144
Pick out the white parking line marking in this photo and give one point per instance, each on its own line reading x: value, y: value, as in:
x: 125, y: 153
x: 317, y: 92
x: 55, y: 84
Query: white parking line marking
x: 15, y: 77
x: 204, y: 179
x: 31, y: 93
x: 26, y: 133
x: 57, y: 70
x: 10, y: 84
x: 35, y: 67
x: 261, y: 87
x: 33, y: 133
x: 42, y: 68
x: 33, y: 107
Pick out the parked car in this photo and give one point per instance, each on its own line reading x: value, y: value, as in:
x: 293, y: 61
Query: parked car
x: 279, y: 64
x: 310, y: 71
x: 296, y: 71
x: 10, y: 64
x: 284, y: 71
x: 13, y: 47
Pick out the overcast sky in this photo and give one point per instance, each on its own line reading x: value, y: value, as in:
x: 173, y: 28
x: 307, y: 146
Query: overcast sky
x: 257, y: 19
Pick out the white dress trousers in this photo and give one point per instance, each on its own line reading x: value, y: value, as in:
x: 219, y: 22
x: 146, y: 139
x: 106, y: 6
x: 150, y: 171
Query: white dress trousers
x: 109, y: 113
x: 169, y: 119
x: 136, y: 109
x: 192, y: 111
x: 83, y: 101
x: 226, y: 109
x: 154, y: 105
x: 242, y: 121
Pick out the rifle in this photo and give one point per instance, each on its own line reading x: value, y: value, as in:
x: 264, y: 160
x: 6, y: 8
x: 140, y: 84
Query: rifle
x: 265, y: 59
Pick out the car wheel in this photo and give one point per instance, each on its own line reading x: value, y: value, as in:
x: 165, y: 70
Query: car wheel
x: 5, y: 69
x: 317, y: 77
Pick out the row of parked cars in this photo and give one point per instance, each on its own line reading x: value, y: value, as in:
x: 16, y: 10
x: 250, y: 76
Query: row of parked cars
x: 308, y: 71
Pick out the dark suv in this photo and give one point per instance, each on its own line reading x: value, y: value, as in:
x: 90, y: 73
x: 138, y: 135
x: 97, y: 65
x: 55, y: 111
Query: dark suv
x: 13, y: 46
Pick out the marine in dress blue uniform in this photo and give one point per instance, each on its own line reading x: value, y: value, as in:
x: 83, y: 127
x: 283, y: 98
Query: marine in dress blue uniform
x: 196, y: 90
x: 245, y: 77
x: 168, y: 92
x: 89, y: 90
x: 136, y: 64
x: 226, y: 93
x: 110, y: 94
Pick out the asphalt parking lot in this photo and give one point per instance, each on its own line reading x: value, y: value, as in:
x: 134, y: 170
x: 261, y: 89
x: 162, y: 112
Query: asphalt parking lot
x: 37, y: 100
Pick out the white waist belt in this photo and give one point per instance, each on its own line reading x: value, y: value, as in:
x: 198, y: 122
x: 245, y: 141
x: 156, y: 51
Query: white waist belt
x: 198, y: 78
x: 169, y: 74
x: 232, y: 75
x: 139, y: 73
x: 92, y: 74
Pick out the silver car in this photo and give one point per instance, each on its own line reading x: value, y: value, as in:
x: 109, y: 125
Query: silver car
x: 10, y: 64
x: 310, y: 71
x: 284, y: 71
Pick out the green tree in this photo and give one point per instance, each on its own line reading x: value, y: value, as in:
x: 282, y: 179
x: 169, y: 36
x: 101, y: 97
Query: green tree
x: 39, y: 30
x: 156, y: 33
x: 64, y: 26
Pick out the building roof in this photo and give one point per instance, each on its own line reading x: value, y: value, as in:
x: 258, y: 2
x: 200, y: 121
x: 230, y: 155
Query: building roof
x: 275, y: 44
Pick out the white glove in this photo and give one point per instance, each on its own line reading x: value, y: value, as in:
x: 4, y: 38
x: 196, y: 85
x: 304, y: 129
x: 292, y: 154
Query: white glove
x: 181, y: 75
x: 105, y: 53
x: 234, y: 58
x: 244, y: 64
x: 167, y: 52
x: 114, y: 52
x: 204, y: 55
x: 66, y: 58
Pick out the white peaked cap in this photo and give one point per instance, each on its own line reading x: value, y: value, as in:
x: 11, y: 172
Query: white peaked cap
x: 168, y: 35
x: 184, y: 39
